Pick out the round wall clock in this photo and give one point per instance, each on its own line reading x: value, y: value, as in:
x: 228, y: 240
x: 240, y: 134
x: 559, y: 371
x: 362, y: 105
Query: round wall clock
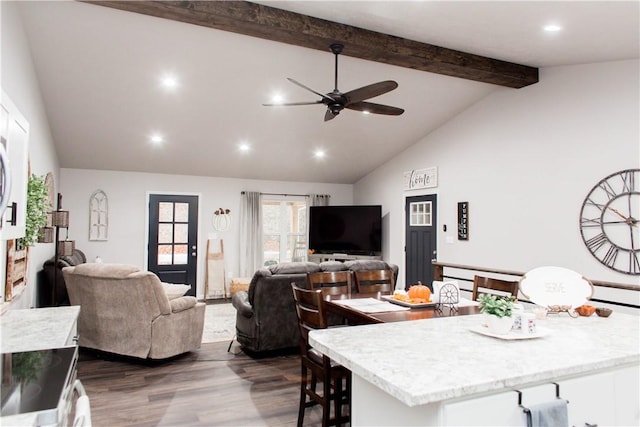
x: 610, y: 221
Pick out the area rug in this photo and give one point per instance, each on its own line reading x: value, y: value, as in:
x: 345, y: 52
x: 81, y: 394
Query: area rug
x: 219, y: 323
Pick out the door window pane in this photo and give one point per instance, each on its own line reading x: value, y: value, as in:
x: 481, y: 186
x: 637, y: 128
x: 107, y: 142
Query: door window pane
x: 165, y: 212
x: 271, y: 249
x: 164, y: 254
x: 420, y: 214
x: 165, y: 233
x: 284, y: 230
x: 271, y: 217
x: 181, y: 233
x: 182, y: 212
x: 180, y: 254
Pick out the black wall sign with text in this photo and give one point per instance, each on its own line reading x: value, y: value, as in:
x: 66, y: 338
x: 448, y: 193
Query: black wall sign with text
x: 463, y: 220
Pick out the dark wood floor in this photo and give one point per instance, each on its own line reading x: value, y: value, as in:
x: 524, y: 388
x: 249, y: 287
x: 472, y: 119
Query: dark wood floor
x: 208, y: 387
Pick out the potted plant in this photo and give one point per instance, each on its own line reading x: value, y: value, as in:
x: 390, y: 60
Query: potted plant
x: 498, y: 312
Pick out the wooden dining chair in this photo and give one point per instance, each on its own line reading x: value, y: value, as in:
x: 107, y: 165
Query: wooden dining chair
x: 316, y: 367
x: 331, y: 282
x: 372, y: 281
x: 505, y: 286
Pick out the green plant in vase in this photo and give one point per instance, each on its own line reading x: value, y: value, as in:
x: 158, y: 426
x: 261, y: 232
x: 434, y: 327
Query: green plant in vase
x: 498, y: 310
x: 37, y: 208
x: 496, y: 305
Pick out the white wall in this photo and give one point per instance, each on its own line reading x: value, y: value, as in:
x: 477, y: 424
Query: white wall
x: 20, y: 84
x: 127, y: 195
x: 524, y: 160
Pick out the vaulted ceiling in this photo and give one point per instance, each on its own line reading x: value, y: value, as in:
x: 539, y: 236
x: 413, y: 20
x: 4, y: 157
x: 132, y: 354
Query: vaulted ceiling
x: 100, y: 68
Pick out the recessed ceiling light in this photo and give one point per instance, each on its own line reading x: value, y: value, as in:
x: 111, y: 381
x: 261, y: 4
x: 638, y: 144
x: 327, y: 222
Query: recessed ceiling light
x: 169, y: 81
x: 365, y: 112
x: 552, y: 28
x: 244, y: 147
x: 277, y: 98
x: 319, y: 154
x: 157, y: 138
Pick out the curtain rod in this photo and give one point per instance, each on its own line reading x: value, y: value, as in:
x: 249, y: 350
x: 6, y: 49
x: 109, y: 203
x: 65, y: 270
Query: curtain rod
x: 281, y: 194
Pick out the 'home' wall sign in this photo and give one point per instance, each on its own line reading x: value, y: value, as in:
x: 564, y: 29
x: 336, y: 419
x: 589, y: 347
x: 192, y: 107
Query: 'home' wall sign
x: 421, y: 178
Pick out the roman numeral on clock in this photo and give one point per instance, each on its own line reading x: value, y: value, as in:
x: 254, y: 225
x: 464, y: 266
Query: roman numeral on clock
x: 628, y: 182
x: 610, y: 257
x: 596, y: 242
x: 606, y: 187
x: 634, y: 263
x: 588, y: 222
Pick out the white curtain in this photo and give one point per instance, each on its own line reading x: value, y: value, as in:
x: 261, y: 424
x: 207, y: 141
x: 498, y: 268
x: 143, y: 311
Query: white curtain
x: 319, y: 199
x: 250, y: 233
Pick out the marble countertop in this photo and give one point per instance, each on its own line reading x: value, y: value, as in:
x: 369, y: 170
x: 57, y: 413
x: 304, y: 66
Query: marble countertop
x: 431, y: 360
x: 37, y: 329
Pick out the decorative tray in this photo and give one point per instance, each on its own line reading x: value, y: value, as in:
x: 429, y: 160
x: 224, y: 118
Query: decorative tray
x: 390, y: 298
x: 483, y: 330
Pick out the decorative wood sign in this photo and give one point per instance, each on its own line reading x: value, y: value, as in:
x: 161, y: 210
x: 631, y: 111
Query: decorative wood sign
x: 421, y: 178
x: 98, y: 216
x: 556, y: 286
x: 463, y: 221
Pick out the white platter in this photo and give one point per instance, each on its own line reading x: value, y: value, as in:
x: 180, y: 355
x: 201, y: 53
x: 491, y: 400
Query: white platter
x: 555, y: 286
x: 483, y: 330
x: 408, y: 304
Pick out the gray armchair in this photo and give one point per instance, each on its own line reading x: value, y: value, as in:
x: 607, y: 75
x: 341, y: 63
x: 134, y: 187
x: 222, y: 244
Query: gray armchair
x: 126, y: 311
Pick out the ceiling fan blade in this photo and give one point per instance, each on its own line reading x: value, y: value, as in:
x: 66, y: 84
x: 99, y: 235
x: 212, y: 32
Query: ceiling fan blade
x: 324, y: 97
x: 288, y: 104
x: 370, y: 91
x: 375, y: 108
x: 329, y: 115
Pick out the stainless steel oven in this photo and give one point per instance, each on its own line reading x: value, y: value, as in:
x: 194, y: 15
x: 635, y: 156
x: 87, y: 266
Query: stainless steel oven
x: 38, y: 385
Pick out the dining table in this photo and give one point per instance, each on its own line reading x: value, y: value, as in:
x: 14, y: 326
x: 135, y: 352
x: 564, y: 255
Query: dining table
x: 360, y: 309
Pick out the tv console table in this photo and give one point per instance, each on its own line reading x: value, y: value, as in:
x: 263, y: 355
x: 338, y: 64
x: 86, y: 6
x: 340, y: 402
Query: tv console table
x: 318, y: 258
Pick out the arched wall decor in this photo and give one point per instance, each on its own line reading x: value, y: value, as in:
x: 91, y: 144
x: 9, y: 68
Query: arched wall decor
x: 98, y: 216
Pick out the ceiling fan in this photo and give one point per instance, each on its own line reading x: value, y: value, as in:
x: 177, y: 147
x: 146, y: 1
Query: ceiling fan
x: 336, y: 101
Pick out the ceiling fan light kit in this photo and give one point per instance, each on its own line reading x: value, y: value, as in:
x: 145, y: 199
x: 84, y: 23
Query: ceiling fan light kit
x: 337, y: 101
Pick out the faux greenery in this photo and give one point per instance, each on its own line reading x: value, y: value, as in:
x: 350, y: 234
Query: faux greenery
x: 496, y: 305
x: 37, y: 208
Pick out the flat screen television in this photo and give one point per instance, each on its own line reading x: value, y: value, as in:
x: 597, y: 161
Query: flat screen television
x: 352, y: 230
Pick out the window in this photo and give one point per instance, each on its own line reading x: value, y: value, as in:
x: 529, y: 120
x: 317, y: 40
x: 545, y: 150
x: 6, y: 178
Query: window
x: 420, y: 214
x: 173, y: 232
x: 284, y: 230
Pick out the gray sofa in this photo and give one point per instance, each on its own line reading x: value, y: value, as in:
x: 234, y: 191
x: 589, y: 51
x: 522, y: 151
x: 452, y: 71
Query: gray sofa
x: 266, y: 315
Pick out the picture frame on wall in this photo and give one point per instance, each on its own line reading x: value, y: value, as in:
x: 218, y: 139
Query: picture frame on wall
x: 463, y: 220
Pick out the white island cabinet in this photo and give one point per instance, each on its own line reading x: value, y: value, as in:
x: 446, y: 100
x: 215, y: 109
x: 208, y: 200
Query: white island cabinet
x: 439, y: 372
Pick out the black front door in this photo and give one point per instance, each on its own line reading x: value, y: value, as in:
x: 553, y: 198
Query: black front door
x: 173, y: 238
x: 420, y: 242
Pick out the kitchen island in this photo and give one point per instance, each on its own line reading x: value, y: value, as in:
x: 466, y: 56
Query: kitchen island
x: 440, y: 372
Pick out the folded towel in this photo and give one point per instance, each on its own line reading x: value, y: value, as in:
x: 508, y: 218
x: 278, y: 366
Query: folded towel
x: 549, y: 414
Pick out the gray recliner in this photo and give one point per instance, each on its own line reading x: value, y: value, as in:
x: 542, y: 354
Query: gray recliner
x: 125, y: 310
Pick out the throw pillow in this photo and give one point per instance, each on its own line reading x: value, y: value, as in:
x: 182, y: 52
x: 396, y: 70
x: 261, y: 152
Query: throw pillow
x: 174, y: 291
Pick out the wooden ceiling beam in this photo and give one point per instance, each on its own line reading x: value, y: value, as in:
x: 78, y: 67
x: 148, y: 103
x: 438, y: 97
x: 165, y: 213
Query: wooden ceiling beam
x: 301, y: 30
